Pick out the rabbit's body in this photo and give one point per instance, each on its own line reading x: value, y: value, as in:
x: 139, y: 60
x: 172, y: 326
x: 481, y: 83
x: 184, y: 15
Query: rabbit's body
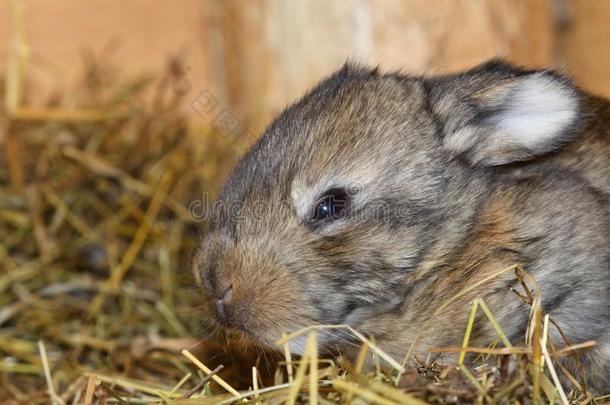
x: 376, y: 198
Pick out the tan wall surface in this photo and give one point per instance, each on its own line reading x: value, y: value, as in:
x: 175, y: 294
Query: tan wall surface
x: 587, y: 44
x: 274, y: 51
x: 137, y: 35
x: 257, y: 56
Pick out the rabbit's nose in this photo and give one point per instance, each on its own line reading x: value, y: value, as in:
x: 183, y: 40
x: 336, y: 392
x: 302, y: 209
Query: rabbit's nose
x: 223, y: 303
x: 226, y: 295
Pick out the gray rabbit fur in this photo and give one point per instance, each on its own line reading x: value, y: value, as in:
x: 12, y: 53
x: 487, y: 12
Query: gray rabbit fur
x: 379, y: 196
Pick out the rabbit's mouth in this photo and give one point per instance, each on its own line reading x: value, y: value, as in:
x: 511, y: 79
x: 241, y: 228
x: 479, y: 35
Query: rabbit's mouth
x: 330, y: 338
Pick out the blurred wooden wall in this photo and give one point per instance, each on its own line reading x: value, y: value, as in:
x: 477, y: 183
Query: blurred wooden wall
x: 586, y: 44
x: 274, y: 50
x: 254, y: 57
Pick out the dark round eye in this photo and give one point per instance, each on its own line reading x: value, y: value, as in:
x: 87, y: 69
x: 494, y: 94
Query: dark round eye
x: 332, y: 205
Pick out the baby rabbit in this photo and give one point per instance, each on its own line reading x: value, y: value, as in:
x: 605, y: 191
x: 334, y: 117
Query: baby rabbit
x: 377, y: 197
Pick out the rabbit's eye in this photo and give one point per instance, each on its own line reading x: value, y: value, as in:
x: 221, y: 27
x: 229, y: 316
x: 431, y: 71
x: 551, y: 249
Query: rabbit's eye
x: 332, y: 205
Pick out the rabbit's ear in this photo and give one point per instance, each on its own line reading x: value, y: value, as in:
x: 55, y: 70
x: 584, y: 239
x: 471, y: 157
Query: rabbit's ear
x: 498, y: 114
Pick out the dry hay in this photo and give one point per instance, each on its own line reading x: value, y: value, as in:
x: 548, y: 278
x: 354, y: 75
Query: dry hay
x: 96, y: 303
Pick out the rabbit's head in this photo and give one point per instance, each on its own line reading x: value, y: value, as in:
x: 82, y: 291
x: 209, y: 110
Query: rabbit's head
x: 362, y: 187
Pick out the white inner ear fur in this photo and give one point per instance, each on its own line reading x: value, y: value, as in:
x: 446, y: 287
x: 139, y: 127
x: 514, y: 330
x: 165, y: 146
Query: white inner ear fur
x: 536, y: 110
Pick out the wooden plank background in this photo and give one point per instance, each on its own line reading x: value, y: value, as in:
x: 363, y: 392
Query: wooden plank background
x: 256, y: 56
